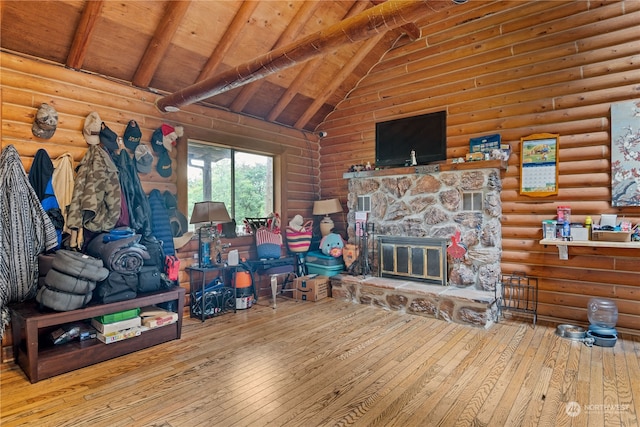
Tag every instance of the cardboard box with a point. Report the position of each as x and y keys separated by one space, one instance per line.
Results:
x=611 y=236
x=107 y=328
x=579 y=234
x=119 y=335
x=311 y=288
x=154 y=317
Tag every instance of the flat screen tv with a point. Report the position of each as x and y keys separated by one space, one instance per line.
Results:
x=425 y=134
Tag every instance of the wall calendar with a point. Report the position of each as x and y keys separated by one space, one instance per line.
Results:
x=539 y=165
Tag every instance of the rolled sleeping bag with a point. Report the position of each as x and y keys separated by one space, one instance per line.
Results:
x=73 y=285
x=61 y=301
x=80 y=265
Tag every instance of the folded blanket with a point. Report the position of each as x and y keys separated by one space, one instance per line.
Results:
x=123 y=255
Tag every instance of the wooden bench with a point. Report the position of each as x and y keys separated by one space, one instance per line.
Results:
x=40 y=359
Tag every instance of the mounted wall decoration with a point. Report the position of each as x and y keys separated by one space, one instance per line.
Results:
x=625 y=153
x=539 y=165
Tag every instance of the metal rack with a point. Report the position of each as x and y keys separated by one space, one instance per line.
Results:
x=518 y=293
x=206 y=303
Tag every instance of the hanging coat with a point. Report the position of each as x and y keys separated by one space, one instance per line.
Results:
x=160 y=223
x=41 y=179
x=139 y=213
x=63 y=179
x=25 y=232
x=95 y=204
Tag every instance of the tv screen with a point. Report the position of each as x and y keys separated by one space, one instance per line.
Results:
x=425 y=134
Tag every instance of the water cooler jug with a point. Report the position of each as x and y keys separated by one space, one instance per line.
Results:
x=603 y=315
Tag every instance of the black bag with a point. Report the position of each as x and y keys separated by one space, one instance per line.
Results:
x=156 y=253
x=149 y=279
x=116 y=287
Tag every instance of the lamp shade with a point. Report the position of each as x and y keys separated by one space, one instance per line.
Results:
x=213 y=212
x=325 y=207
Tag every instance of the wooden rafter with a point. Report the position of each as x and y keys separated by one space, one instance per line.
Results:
x=306 y=73
x=159 y=44
x=288 y=36
x=372 y=22
x=234 y=29
x=337 y=80
x=83 y=34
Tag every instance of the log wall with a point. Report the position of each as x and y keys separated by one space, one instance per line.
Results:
x=516 y=68
x=27 y=83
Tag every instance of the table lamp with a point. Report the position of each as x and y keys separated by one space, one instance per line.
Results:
x=213 y=213
x=326 y=207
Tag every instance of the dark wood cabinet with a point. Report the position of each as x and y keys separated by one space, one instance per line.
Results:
x=40 y=359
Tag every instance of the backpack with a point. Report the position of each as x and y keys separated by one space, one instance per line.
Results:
x=155 y=250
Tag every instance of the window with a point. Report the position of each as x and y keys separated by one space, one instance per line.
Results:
x=472 y=201
x=364 y=204
x=242 y=180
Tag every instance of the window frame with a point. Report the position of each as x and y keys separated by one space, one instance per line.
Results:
x=276 y=173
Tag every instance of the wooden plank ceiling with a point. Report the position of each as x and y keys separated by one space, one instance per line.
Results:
x=169 y=46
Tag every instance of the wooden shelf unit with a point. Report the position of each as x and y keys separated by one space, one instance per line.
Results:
x=40 y=359
x=563 y=245
x=591 y=243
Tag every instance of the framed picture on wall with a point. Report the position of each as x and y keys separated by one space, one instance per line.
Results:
x=625 y=153
x=539 y=165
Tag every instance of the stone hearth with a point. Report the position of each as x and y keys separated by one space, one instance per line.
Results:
x=448 y=303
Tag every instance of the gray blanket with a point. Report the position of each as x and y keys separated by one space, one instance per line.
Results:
x=123 y=256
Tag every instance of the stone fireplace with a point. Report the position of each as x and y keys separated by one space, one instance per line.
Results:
x=435 y=204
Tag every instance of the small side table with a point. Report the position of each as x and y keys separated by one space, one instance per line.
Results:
x=214 y=303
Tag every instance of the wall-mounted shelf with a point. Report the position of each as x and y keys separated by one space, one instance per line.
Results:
x=563 y=245
x=424 y=169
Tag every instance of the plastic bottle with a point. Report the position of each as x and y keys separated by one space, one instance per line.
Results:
x=587 y=224
x=602 y=312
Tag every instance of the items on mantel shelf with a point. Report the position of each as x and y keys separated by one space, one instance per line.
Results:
x=430 y=168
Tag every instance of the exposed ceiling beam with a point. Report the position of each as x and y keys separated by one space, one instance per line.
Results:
x=411 y=29
x=159 y=44
x=232 y=32
x=379 y=19
x=337 y=80
x=288 y=36
x=83 y=34
x=309 y=68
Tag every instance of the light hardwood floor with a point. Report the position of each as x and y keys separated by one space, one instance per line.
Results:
x=335 y=363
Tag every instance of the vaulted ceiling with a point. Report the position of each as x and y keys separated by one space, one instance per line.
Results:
x=288 y=62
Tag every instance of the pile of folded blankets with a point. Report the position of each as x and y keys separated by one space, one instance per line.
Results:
x=114 y=266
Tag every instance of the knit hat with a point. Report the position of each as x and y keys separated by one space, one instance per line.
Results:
x=92 y=127
x=108 y=137
x=144 y=158
x=132 y=135
x=164 y=165
x=46 y=122
x=156 y=141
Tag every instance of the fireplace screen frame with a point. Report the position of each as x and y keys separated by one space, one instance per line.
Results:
x=422 y=259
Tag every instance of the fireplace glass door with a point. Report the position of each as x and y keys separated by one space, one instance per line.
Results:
x=422 y=259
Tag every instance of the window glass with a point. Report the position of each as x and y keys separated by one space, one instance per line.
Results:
x=242 y=180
